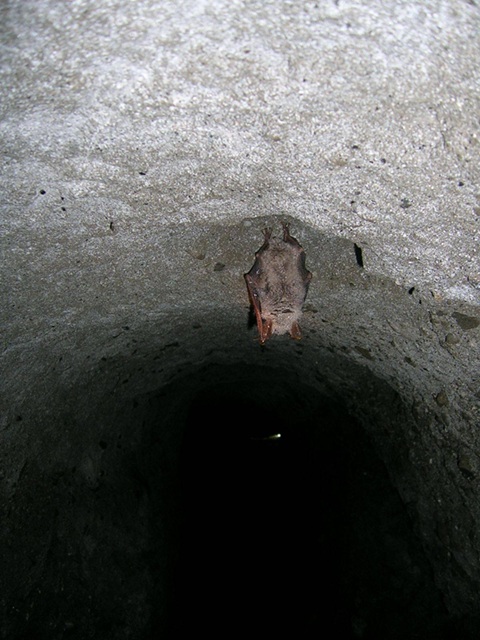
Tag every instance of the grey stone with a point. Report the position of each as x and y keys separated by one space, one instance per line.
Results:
x=145 y=146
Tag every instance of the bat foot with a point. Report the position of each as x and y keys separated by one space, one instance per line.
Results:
x=288 y=238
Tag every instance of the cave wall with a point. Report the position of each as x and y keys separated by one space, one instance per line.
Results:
x=145 y=146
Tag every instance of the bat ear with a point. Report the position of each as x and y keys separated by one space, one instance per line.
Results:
x=295 y=331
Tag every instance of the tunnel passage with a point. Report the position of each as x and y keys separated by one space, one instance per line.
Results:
x=174 y=508
x=146 y=145
x=142 y=493
x=290 y=522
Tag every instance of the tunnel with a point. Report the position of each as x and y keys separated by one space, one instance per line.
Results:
x=163 y=472
x=212 y=482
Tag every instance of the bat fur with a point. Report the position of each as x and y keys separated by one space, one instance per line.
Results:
x=278 y=284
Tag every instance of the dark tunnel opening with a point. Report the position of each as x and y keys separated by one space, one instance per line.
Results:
x=183 y=510
x=290 y=523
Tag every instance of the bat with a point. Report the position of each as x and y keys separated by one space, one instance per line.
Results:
x=278 y=284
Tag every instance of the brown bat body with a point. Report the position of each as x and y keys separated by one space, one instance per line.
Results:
x=277 y=285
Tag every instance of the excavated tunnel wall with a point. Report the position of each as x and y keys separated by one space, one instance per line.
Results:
x=145 y=148
x=98 y=460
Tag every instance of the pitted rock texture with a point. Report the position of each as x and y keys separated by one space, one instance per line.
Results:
x=144 y=148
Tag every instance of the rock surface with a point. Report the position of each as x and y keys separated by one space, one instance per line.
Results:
x=145 y=145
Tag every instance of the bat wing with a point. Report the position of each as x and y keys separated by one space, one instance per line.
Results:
x=264 y=326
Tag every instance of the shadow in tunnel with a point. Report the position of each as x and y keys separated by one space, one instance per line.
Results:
x=250 y=555
x=292 y=535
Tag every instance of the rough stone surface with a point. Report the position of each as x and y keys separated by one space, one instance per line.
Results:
x=144 y=147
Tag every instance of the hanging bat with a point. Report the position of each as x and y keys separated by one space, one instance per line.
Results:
x=277 y=285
